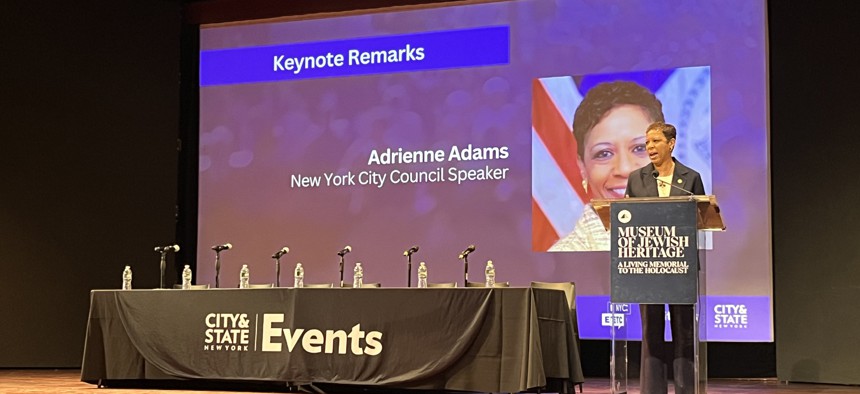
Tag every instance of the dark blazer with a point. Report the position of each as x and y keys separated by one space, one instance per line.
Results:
x=641 y=183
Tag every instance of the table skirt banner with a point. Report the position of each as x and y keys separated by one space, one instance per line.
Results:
x=456 y=339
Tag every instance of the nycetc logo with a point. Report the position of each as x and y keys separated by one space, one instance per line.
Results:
x=616 y=315
x=731 y=316
x=227 y=332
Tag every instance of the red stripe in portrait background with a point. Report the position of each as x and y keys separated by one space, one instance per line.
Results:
x=554 y=132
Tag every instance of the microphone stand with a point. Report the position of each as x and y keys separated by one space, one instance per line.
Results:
x=466 y=270
x=278 y=271
x=341 y=270
x=409 y=270
x=163 y=267
x=217 y=268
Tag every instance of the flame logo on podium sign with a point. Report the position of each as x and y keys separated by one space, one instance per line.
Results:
x=624 y=216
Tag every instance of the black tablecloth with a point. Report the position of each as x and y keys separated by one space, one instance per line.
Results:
x=476 y=339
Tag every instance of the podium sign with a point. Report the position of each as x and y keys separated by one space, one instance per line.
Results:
x=654 y=252
x=655 y=260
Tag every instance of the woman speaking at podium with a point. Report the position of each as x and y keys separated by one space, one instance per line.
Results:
x=665 y=176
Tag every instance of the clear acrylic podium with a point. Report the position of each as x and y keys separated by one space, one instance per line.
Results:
x=656 y=260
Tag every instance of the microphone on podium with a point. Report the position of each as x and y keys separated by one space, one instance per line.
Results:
x=656 y=175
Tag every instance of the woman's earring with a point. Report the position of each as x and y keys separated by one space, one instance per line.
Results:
x=585 y=185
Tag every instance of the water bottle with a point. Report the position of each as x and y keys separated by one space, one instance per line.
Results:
x=244 y=277
x=300 y=276
x=422 y=275
x=358 y=276
x=186 y=278
x=126 y=278
x=490 y=274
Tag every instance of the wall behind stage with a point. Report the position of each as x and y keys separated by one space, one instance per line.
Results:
x=813 y=97
x=815 y=141
x=87 y=151
x=89 y=164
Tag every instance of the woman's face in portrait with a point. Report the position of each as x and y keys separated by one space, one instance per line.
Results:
x=613 y=149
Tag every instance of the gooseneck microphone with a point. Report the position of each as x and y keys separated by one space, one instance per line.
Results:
x=656 y=175
x=466 y=252
x=344 y=251
x=168 y=248
x=411 y=251
x=280 y=253
x=222 y=247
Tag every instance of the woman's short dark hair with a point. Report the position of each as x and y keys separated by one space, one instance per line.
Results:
x=604 y=97
x=668 y=130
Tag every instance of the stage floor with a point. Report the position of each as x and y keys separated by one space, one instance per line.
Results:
x=68 y=381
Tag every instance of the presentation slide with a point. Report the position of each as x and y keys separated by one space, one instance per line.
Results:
x=490 y=125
